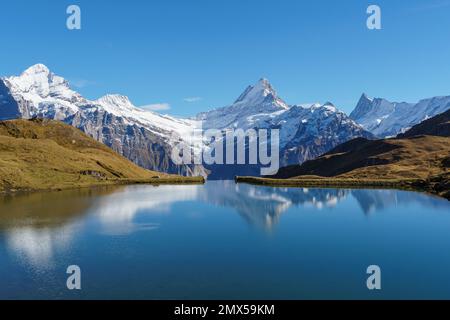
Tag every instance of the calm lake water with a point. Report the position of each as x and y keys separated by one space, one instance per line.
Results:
x=224 y=241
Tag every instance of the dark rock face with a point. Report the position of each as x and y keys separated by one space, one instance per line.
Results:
x=436 y=126
x=9 y=108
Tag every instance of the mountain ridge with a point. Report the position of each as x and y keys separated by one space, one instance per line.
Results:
x=147 y=138
x=388 y=119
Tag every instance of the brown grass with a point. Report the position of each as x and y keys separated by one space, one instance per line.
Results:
x=49 y=155
x=418 y=163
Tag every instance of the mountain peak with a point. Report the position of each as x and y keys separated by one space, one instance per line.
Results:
x=264 y=81
x=36 y=69
x=260 y=93
x=363 y=107
x=115 y=101
x=40 y=81
x=365 y=97
x=114 y=96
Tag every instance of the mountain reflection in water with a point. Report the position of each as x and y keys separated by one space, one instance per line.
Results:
x=116 y=207
x=188 y=234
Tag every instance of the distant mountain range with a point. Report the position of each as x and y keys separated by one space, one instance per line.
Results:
x=147 y=138
x=388 y=119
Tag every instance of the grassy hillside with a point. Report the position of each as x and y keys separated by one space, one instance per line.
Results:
x=416 y=158
x=44 y=154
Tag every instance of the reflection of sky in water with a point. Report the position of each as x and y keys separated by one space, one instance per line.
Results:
x=116 y=212
x=40 y=230
x=259 y=206
x=36 y=247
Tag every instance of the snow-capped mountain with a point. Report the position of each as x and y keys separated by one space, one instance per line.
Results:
x=306 y=131
x=256 y=102
x=386 y=119
x=142 y=136
x=147 y=138
x=37 y=90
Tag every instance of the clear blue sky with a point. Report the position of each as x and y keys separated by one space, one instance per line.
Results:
x=163 y=51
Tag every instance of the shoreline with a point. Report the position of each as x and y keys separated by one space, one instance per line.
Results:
x=175 y=180
x=417 y=185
